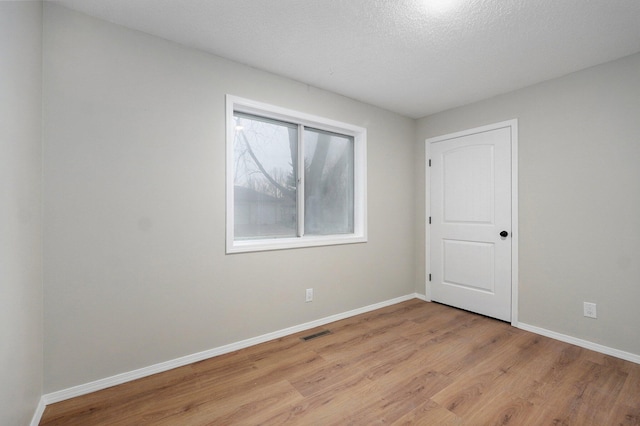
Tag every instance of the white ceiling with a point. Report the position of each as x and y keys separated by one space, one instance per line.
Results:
x=415 y=57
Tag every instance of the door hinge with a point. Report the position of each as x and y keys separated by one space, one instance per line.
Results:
x=429 y=220
x=429 y=162
x=429 y=277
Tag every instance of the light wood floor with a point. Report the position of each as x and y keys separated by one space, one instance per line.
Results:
x=410 y=363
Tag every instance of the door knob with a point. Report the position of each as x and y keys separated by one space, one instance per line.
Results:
x=504 y=234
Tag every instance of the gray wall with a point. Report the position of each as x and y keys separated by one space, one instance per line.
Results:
x=579 y=163
x=134 y=212
x=20 y=207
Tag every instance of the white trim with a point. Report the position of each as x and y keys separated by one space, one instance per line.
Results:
x=275 y=112
x=421 y=297
x=118 y=379
x=37 y=416
x=243 y=246
x=230 y=133
x=515 y=234
x=628 y=356
x=513 y=125
x=467 y=132
x=427 y=228
x=359 y=134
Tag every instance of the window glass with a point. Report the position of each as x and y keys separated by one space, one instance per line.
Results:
x=265 y=159
x=328 y=184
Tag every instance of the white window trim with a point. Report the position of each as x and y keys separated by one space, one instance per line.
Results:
x=359 y=134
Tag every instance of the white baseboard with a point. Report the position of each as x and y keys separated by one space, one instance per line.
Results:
x=118 y=379
x=628 y=356
x=37 y=416
x=421 y=297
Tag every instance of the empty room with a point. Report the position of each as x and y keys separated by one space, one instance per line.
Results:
x=320 y=212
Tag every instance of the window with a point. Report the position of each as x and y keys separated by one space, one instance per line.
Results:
x=293 y=180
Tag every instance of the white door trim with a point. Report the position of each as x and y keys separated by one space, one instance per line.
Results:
x=513 y=125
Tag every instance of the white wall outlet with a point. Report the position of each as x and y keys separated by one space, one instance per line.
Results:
x=590 y=310
x=309 y=295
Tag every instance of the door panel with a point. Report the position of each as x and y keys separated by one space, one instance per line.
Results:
x=468 y=264
x=467 y=179
x=470 y=206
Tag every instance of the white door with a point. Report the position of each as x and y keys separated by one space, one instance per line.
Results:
x=471 y=220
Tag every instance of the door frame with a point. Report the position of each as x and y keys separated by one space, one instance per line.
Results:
x=513 y=125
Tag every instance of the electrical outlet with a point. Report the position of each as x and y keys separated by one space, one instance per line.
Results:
x=590 y=310
x=309 y=295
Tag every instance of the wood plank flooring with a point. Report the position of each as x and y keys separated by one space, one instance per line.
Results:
x=410 y=363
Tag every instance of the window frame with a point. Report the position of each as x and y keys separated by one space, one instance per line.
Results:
x=302 y=120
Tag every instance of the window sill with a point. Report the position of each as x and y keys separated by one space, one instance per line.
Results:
x=292 y=243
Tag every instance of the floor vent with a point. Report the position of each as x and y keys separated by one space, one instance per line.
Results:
x=316 y=335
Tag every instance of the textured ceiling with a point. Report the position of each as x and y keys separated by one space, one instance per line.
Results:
x=415 y=57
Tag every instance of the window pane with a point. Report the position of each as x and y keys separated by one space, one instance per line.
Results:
x=328 y=191
x=265 y=156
